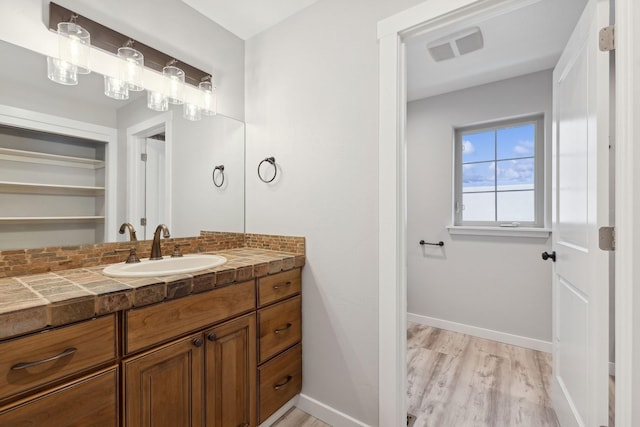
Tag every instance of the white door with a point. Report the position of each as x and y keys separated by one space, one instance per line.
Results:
x=151 y=186
x=580 y=207
x=155 y=184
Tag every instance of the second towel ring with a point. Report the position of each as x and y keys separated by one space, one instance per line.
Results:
x=272 y=162
x=219 y=168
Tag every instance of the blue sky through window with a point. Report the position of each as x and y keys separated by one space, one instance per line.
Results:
x=514 y=152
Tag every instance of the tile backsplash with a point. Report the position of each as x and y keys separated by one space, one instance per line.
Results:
x=33 y=261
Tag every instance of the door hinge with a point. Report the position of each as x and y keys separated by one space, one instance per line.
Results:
x=607 y=238
x=143 y=221
x=143 y=157
x=607 y=38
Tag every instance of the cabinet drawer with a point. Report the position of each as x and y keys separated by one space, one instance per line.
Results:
x=161 y=322
x=90 y=401
x=279 y=327
x=279 y=380
x=279 y=286
x=47 y=356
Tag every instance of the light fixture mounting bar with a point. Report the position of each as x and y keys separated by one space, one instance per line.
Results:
x=110 y=40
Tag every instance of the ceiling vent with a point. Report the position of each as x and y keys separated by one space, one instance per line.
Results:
x=456 y=44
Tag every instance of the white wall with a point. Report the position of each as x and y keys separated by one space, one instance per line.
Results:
x=312 y=102
x=497 y=283
x=169 y=26
x=197 y=146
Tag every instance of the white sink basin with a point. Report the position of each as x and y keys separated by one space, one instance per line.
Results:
x=165 y=267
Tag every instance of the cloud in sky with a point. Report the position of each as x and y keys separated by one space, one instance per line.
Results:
x=509 y=172
x=523 y=148
x=467 y=147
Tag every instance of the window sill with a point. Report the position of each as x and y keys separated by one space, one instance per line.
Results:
x=537 y=233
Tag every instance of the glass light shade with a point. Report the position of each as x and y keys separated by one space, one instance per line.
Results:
x=131 y=67
x=116 y=88
x=157 y=101
x=209 y=99
x=74 y=43
x=61 y=71
x=174 y=85
x=191 y=112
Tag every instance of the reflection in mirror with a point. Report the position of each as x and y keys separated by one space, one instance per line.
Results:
x=74 y=164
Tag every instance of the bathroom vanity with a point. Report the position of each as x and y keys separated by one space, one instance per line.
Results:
x=220 y=347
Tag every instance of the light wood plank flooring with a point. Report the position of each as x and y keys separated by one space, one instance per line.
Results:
x=297 y=418
x=456 y=380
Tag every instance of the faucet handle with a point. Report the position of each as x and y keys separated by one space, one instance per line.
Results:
x=176 y=250
x=133 y=256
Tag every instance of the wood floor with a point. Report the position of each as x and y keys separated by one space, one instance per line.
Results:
x=457 y=380
x=296 y=418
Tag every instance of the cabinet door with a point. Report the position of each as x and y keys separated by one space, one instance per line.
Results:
x=231 y=374
x=164 y=387
x=89 y=401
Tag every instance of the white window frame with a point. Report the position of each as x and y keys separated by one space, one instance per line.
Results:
x=539 y=171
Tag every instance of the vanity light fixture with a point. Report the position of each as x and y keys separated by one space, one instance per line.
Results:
x=132 y=66
x=174 y=83
x=73 y=53
x=61 y=71
x=209 y=98
x=74 y=44
x=191 y=112
x=157 y=101
x=127 y=74
x=116 y=88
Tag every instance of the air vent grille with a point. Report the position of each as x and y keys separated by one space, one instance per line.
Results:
x=456 y=44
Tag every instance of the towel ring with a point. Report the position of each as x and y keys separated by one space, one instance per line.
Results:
x=219 y=168
x=272 y=162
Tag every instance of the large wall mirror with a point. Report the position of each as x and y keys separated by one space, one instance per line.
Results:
x=75 y=164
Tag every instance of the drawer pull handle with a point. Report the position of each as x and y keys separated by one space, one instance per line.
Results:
x=280 y=330
x=197 y=342
x=212 y=337
x=285 y=285
x=282 y=384
x=26 y=365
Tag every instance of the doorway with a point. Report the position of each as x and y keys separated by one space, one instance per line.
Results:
x=393 y=238
x=149 y=175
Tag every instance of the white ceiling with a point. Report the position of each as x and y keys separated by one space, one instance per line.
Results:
x=246 y=18
x=519 y=42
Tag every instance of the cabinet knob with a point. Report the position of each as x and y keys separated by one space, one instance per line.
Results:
x=197 y=342
x=212 y=337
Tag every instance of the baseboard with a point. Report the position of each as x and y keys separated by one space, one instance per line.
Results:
x=280 y=412
x=326 y=413
x=488 y=334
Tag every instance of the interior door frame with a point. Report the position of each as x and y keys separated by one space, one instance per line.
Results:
x=134 y=134
x=392 y=209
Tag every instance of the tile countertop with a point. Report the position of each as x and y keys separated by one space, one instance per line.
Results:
x=33 y=302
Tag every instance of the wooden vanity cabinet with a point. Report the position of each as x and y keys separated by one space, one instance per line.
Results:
x=164 y=387
x=279 y=341
x=230 y=372
x=228 y=357
x=42 y=383
x=209 y=375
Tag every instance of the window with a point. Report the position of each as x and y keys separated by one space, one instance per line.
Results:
x=499 y=174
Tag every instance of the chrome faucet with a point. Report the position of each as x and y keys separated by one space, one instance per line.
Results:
x=132 y=231
x=156 y=252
